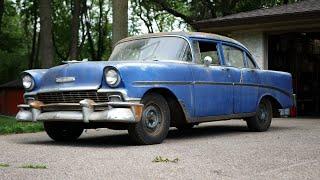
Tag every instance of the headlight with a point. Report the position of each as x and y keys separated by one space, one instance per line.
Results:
x=28 y=82
x=112 y=77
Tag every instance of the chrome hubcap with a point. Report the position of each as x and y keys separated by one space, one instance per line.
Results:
x=263 y=113
x=152 y=117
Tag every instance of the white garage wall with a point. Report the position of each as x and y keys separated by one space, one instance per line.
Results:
x=256 y=42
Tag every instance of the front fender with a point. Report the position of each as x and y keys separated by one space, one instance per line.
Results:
x=138 y=78
x=37 y=75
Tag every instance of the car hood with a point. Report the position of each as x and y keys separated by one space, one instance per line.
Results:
x=75 y=76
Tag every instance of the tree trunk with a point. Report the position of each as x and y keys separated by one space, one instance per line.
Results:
x=34 y=37
x=120 y=20
x=1 y=12
x=46 y=45
x=91 y=43
x=101 y=32
x=75 y=24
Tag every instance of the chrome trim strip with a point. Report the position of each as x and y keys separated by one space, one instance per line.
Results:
x=162 y=82
x=210 y=83
x=65 y=79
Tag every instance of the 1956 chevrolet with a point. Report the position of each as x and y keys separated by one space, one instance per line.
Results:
x=153 y=82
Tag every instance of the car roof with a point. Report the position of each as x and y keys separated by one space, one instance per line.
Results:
x=186 y=35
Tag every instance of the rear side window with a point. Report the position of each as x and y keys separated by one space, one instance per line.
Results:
x=207 y=48
x=233 y=56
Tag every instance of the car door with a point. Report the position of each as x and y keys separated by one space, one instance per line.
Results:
x=234 y=61
x=249 y=87
x=212 y=90
x=245 y=78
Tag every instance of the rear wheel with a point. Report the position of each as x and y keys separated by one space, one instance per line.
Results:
x=262 y=120
x=62 y=131
x=155 y=121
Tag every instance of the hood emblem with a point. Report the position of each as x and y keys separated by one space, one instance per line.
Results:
x=65 y=79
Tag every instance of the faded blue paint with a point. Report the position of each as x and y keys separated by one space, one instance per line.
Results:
x=204 y=91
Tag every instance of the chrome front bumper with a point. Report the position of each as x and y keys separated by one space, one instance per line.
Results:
x=112 y=112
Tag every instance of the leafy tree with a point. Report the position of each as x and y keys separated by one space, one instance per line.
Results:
x=31 y=37
x=194 y=10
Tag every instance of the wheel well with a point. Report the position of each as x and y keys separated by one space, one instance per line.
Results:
x=275 y=105
x=177 y=115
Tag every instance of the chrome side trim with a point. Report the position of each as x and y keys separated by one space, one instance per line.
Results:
x=162 y=82
x=210 y=83
x=65 y=79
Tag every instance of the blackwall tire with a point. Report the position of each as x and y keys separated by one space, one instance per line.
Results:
x=155 y=122
x=62 y=131
x=262 y=120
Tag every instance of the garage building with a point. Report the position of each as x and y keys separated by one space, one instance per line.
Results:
x=284 y=38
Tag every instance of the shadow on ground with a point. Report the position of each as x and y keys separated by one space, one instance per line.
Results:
x=122 y=140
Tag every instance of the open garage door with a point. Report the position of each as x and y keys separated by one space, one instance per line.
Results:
x=299 y=54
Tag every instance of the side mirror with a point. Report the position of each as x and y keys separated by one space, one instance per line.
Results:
x=207 y=61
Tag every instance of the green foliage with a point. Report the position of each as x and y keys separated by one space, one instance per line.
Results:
x=13 y=50
x=19 y=32
x=158 y=159
x=4 y=165
x=9 y=125
x=34 y=166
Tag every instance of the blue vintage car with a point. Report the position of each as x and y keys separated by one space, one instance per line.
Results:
x=153 y=82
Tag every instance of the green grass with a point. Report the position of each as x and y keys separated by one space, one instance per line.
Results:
x=3 y=165
x=34 y=166
x=9 y=125
x=160 y=159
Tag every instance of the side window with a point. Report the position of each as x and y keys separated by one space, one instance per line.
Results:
x=233 y=56
x=251 y=63
x=187 y=54
x=207 y=49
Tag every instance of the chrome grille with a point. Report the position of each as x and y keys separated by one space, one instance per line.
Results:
x=71 y=96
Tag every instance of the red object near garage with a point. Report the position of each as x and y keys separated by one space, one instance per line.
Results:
x=11 y=94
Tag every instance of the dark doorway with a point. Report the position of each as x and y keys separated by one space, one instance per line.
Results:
x=299 y=54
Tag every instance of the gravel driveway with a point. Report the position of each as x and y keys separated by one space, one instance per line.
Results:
x=218 y=150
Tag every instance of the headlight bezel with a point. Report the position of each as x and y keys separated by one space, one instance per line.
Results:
x=114 y=73
x=27 y=78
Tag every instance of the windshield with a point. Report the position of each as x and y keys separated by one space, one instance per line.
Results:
x=158 y=48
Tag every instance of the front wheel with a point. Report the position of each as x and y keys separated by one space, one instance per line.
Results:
x=155 y=121
x=62 y=131
x=262 y=120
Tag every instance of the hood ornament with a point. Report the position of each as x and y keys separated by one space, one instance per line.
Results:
x=65 y=79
